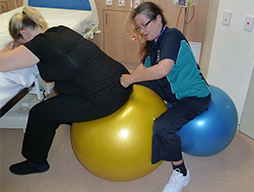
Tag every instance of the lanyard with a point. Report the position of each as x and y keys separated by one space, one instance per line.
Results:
x=160 y=33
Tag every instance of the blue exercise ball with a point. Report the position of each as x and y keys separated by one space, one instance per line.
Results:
x=213 y=130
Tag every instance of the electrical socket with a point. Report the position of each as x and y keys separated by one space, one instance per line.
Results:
x=108 y=2
x=175 y=2
x=226 y=17
x=135 y=3
x=121 y=3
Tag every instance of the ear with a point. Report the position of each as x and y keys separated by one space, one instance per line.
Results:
x=158 y=18
x=25 y=34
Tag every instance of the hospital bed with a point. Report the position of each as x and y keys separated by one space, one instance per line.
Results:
x=79 y=15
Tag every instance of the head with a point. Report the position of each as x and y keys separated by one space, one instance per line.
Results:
x=149 y=19
x=25 y=26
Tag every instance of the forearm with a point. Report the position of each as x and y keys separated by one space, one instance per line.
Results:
x=10 y=46
x=5 y=60
x=17 y=58
x=139 y=68
x=147 y=74
x=6 y=48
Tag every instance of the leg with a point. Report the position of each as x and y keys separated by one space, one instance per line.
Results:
x=166 y=142
x=46 y=117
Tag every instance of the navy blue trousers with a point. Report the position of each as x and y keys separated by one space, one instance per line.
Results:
x=166 y=144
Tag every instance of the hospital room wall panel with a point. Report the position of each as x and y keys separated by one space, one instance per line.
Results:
x=3 y=7
x=196 y=26
x=121 y=43
x=117 y=32
x=118 y=43
x=7 y=5
x=195 y=29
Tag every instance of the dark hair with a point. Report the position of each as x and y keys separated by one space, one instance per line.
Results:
x=151 y=10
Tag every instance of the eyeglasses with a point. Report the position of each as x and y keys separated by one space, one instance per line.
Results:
x=144 y=25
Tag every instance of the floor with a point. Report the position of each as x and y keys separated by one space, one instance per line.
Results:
x=228 y=171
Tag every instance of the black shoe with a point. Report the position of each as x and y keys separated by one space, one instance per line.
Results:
x=26 y=167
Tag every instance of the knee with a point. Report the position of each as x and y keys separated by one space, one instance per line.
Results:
x=33 y=111
x=163 y=127
x=38 y=112
x=160 y=127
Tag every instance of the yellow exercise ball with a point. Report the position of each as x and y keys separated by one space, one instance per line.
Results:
x=118 y=147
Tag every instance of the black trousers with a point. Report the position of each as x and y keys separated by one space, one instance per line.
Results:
x=45 y=118
x=166 y=144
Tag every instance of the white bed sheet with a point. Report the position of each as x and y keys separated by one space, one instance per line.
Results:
x=12 y=82
x=18 y=79
x=75 y=19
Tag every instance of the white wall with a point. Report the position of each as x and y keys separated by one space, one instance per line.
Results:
x=232 y=56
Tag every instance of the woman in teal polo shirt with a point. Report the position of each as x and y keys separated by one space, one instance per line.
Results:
x=170 y=69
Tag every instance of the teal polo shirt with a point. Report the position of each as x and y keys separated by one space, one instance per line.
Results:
x=185 y=78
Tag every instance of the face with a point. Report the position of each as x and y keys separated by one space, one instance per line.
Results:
x=149 y=28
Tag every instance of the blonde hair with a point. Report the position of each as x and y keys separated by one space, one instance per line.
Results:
x=29 y=18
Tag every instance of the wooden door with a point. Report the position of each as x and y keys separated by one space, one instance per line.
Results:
x=118 y=37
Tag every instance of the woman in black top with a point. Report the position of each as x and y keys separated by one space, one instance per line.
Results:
x=86 y=79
